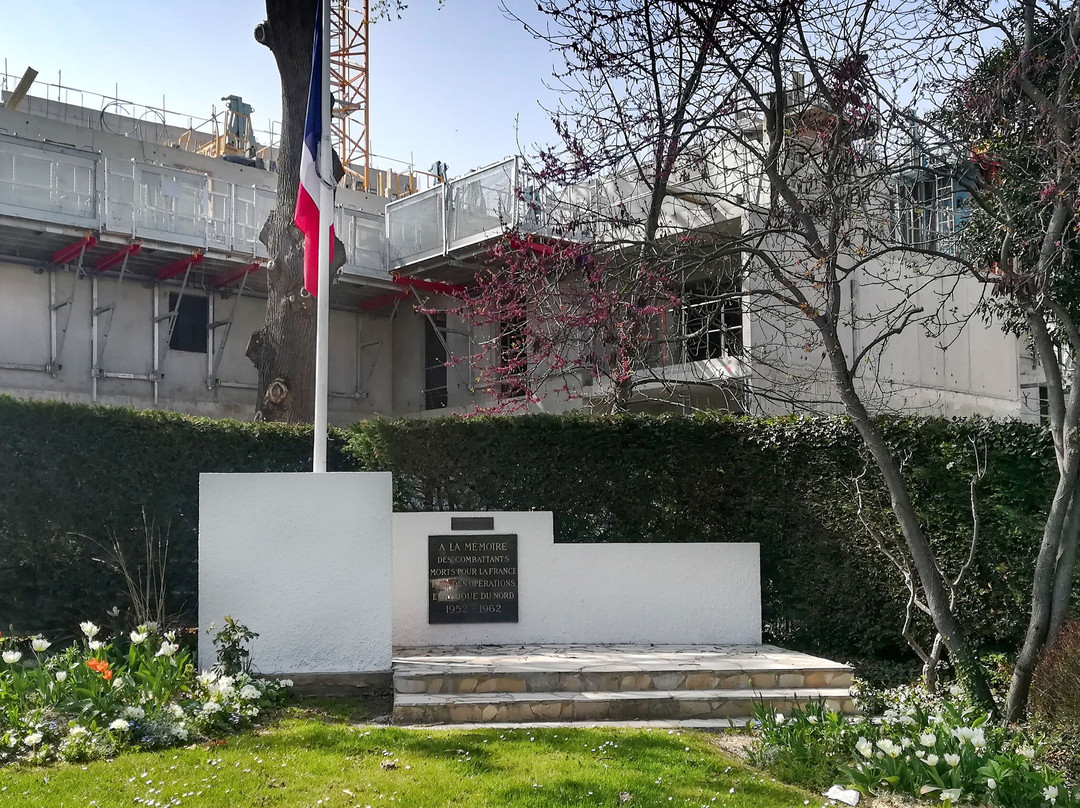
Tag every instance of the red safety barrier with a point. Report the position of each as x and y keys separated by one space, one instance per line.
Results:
x=438 y=287
x=107 y=262
x=225 y=280
x=178 y=267
x=65 y=255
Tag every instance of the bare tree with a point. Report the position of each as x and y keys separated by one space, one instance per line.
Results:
x=702 y=136
x=1015 y=115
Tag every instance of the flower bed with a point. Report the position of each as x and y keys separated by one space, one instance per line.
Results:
x=100 y=696
x=935 y=748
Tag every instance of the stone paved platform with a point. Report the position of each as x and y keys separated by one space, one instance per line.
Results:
x=553 y=683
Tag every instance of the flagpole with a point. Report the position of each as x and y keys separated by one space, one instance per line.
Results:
x=326 y=207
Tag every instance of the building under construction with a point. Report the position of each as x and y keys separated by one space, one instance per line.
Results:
x=131 y=271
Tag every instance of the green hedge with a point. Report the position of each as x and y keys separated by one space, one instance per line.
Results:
x=71 y=475
x=786 y=483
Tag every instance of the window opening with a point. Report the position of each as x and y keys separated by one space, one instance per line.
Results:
x=436 y=394
x=712 y=323
x=191 y=321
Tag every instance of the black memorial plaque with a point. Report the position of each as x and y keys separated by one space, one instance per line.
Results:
x=472 y=578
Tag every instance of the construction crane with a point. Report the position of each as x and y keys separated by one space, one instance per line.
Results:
x=349 y=85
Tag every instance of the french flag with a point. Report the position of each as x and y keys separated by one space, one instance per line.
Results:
x=308 y=215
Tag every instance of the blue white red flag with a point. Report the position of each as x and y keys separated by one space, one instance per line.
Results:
x=308 y=215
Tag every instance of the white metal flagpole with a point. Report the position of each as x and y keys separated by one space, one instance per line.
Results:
x=326 y=218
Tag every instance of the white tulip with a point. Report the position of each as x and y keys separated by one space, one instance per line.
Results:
x=167 y=649
x=978 y=738
x=39 y=644
x=11 y=657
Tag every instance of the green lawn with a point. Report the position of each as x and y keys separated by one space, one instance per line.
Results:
x=312 y=759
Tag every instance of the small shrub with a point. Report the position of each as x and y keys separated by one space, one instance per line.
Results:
x=931 y=747
x=806 y=748
x=1055 y=690
x=885 y=674
x=1055 y=697
x=233 y=656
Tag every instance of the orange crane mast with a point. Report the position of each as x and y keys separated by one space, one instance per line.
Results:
x=350 y=87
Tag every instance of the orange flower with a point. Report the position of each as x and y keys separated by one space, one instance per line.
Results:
x=100 y=666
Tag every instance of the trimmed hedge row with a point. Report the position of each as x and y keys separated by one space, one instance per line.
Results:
x=785 y=483
x=72 y=476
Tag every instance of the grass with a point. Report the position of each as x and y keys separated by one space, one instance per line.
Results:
x=319 y=758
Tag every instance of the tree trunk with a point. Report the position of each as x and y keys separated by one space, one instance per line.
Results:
x=283 y=350
x=1051 y=584
x=933 y=585
x=1038 y=630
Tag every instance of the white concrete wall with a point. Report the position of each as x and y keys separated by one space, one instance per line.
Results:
x=305 y=561
x=972 y=367
x=588 y=593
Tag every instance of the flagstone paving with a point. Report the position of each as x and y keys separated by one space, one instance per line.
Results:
x=552 y=683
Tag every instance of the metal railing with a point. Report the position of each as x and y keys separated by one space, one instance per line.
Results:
x=50 y=183
x=496 y=199
x=455 y=214
x=56 y=184
x=111 y=113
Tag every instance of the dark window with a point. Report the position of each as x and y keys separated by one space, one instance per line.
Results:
x=435 y=393
x=1044 y=403
x=713 y=324
x=190 y=323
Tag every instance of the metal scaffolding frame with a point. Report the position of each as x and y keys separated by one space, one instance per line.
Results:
x=99 y=333
x=465 y=381
x=217 y=347
x=58 y=327
x=157 y=374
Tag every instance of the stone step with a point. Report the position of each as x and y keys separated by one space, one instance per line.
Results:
x=706 y=724
x=600 y=680
x=460 y=708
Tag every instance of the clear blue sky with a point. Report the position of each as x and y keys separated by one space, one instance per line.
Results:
x=446 y=83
